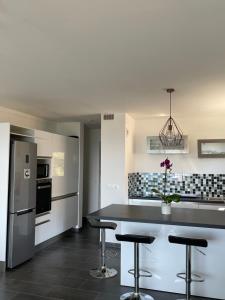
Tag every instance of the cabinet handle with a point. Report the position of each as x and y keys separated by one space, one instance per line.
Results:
x=43 y=222
x=43 y=187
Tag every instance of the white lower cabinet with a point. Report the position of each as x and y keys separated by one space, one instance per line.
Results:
x=220 y=207
x=182 y=204
x=158 y=203
x=62 y=217
x=43 y=229
x=144 y=202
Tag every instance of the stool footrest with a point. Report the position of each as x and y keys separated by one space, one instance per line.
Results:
x=133 y=296
x=102 y=273
x=194 y=277
x=142 y=273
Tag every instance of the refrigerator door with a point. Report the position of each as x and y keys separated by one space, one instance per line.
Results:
x=23 y=171
x=21 y=237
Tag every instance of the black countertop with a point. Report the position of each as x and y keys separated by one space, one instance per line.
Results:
x=149 y=214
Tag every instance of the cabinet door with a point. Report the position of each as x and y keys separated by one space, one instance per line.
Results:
x=63 y=215
x=183 y=204
x=44 y=143
x=64 y=165
x=43 y=229
x=145 y=202
x=71 y=167
x=212 y=207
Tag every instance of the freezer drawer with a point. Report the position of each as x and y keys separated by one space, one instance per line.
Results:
x=21 y=236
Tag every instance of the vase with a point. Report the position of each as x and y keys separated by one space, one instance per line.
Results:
x=166 y=208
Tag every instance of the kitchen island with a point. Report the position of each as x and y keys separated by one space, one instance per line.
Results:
x=165 y=260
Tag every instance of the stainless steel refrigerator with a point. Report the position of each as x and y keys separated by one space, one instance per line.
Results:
x=22 y=202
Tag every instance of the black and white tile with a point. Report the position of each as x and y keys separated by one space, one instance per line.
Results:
x=204 y=185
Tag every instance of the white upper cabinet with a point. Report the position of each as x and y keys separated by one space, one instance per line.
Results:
x=64 y=153
x=44 y=143
x=64 y=165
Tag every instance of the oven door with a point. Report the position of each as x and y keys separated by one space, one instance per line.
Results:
x=44 y=196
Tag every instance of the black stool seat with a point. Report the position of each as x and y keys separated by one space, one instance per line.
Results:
x=136 y=240
x=133 y=238
x=188 y=241
x=102 y=272
x=101 y=225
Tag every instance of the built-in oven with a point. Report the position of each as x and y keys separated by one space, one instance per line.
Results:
x=43 y=196
x=42 y=170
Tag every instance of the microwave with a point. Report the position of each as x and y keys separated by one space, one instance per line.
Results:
x=42 y=170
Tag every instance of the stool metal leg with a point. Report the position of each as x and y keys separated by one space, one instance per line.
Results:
x=103 y=249
x=136 y=295
x=188 y=272
x=136 y=268
x=187 y=275
x=103 y=271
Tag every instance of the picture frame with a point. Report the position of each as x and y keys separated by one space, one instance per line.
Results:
x=211 y=148
x=154 y=146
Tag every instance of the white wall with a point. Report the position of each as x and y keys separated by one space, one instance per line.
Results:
x=4 y=175
x=92 y=144
x=113 y=179
x=25 y=120
x=116 y=161
x=129 y=147
x=196 y=128
x=76 y=129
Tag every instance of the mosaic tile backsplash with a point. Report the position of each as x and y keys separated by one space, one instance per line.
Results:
x=202 y=185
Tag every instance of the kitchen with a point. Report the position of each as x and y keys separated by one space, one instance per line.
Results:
x=198 y=180
x=112 y=213
x=44 y=184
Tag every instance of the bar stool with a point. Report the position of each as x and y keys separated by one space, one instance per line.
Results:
x=136 y=239
x=188 y=276
x=102 y=272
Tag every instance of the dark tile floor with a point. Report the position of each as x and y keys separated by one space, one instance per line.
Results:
x=60 y=271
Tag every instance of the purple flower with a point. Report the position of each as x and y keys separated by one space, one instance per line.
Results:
x=168 y=167
x=162 y=164
x=167 y=162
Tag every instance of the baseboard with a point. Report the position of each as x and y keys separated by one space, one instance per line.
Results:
x=2 y=266
x=52 y=240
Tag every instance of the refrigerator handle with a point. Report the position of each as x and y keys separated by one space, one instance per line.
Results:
x=24 y=211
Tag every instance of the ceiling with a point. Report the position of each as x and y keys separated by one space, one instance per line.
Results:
x=60 y=59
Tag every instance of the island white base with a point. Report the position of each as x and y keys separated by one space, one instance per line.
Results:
x=165 y=260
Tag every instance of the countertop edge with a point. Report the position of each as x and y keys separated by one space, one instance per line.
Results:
x=180 y=216
x=157 y=222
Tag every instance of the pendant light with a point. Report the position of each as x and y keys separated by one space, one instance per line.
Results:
x=170 y=135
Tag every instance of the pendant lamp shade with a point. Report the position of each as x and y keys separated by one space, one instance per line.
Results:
x=170 y=135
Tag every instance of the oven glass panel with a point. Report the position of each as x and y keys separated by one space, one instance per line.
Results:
x=44 y=192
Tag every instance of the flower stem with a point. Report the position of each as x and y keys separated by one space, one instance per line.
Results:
x=165 y=182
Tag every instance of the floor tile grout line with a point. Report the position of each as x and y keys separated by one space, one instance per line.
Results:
x=31 y=294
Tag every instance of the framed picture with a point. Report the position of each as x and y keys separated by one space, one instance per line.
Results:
x=154 y=146
x=211 y=148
